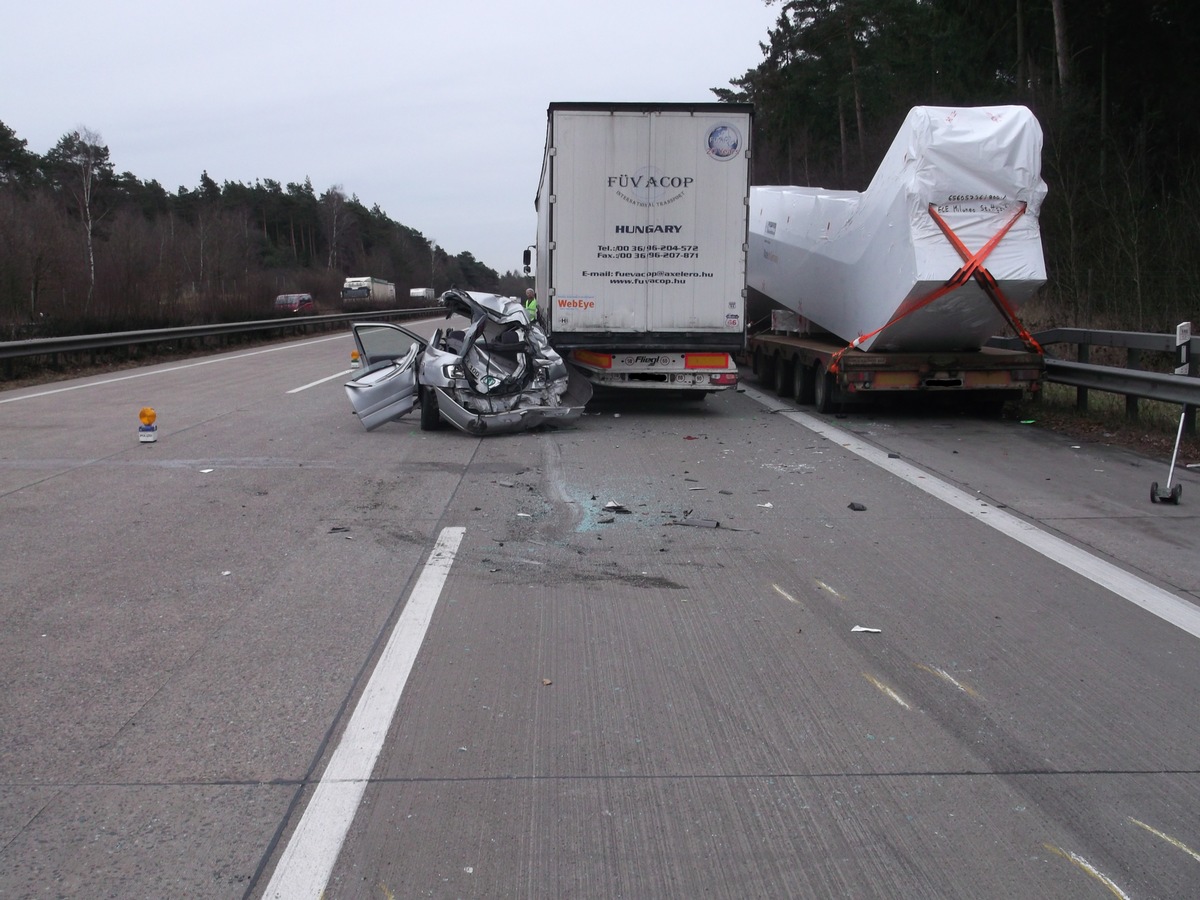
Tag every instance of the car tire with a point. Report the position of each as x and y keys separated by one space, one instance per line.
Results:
x=431 y=419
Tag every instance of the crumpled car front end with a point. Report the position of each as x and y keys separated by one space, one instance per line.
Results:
x=500 y=373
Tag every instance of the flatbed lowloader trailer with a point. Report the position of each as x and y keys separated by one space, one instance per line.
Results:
x=802 y=367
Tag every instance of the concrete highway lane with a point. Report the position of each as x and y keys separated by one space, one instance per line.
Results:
x=732 y=685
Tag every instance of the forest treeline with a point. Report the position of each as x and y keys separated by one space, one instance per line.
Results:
x=83 y=248
x=1111 y=81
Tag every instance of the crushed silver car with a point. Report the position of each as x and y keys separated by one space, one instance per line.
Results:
x=497 y=375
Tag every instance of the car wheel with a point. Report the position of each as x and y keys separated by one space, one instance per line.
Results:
x=431 y=419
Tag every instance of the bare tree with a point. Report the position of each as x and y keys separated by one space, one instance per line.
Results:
x=80 y=166
x=335 y=219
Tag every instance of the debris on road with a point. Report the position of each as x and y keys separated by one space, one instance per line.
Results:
x=862 y=628
x=856 y=506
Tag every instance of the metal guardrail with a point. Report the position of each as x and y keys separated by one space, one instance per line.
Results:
x=1130 y=381
x=11 y=350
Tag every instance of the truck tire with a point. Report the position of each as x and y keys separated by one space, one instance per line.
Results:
x=783 y=377
x=824 y=389
x=766 y=368
x=802 y=382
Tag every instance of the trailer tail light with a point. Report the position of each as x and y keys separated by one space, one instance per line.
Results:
x=592 y=358
x=706 y=360
x=723 y=378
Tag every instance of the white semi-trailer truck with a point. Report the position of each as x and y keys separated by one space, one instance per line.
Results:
x=641 y=242
x=365 y=291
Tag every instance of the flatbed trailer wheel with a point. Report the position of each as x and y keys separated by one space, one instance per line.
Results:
x=783 y=377
x=824 y=389
x=802 y=382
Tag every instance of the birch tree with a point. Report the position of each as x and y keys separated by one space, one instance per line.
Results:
x=79 y=167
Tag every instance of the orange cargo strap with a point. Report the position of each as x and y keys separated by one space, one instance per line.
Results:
x=972 y=268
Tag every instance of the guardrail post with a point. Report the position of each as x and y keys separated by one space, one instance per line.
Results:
x=1133 y=362
x=1083 y=354
x=1186 y=357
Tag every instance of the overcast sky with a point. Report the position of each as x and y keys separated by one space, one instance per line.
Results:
x=435 y=110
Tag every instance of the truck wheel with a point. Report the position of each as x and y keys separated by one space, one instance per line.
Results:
x=766 y=369
x=824 y=390
x=783 y=377
x=431 y=419
x=802 y=382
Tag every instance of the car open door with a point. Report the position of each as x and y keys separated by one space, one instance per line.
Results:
x=387 y=389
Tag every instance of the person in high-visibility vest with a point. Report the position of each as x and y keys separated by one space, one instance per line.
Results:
x=531 y=304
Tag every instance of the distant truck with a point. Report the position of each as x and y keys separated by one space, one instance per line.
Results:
x=421 y=295
x=366 y=291
x=897 y=289
x=641 y=242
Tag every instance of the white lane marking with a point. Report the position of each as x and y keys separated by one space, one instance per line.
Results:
x=144 y=373
x=1167 y=606
x=785 y=595
x=305 y=387
x=1081 y=863
x=948 y=678
x=307 y=862
x=1178 y=844
x=887 y=691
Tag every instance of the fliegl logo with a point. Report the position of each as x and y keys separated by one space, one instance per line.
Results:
x=650 y=186
x=724 y=141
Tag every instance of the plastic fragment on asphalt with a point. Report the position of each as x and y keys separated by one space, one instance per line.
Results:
x=767 y=505
x=205 y=471
x=867 y=630
x=857 y=507
x=524 y=516
x=546 y=682
x=700 y=523
x=226 y=573
x=614 y=506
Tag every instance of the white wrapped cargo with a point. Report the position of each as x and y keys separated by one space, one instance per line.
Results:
x=853 y=262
